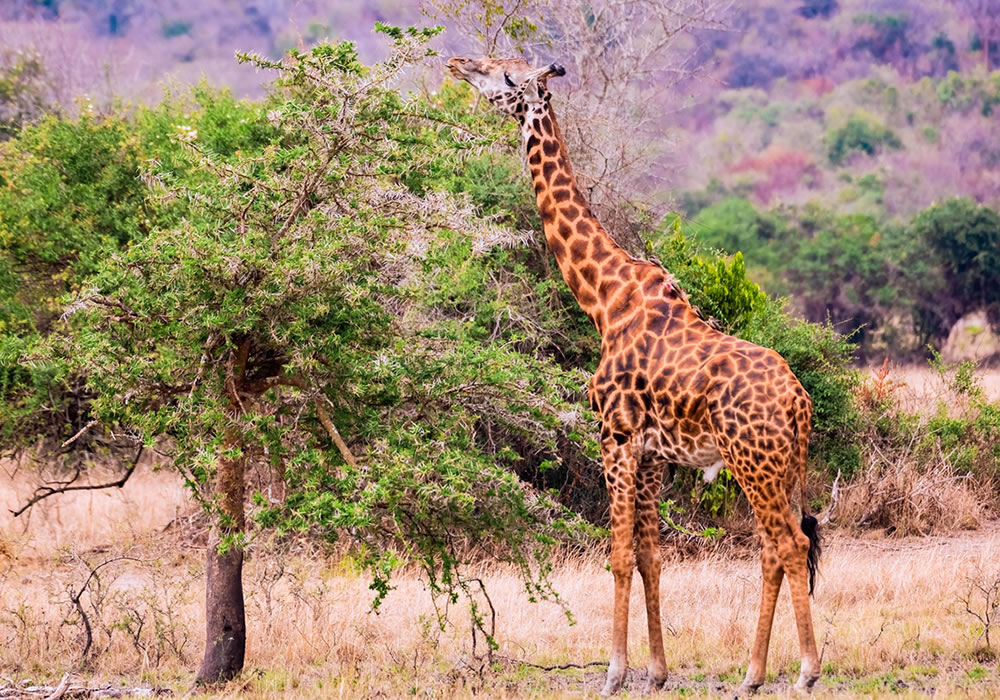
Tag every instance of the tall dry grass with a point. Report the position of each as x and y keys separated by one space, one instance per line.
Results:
x=921 y=387
x=83 y=520
x=927 y=456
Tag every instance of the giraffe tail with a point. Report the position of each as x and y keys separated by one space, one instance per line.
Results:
x=810 y=526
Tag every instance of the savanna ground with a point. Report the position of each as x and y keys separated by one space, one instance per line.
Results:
x=892 y=615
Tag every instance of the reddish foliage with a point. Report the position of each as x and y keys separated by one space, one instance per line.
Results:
x=817 y=85
x=780 y=170
x=877 y=387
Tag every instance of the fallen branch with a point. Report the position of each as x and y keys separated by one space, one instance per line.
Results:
x=560 y=667
x=65 y=689
x=43 y=492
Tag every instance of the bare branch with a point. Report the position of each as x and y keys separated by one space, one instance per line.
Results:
x=80 y=432
x=43 y=492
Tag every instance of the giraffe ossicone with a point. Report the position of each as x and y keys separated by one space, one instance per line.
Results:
x=670 y=389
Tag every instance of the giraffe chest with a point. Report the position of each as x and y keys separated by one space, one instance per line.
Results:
x=693 y=448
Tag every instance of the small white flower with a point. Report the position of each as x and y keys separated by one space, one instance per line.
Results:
x=186 y=133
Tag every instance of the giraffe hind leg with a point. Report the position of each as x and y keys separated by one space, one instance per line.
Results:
x=772 y=574
x=792 y=547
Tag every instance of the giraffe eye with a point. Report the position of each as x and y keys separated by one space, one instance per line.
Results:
x=506 y=79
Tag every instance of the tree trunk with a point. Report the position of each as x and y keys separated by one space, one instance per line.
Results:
x=225 y=622
x=225 y=618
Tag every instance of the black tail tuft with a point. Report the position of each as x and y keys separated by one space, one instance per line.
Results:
x=811 y=529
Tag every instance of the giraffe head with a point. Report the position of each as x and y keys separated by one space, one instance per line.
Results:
x=510 y=84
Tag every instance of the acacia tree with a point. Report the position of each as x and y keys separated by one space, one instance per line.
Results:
x=276 y=326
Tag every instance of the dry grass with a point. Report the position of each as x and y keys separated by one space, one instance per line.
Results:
x=922 y=387
x=917 y=475
x=888 y=616
x=86 y=519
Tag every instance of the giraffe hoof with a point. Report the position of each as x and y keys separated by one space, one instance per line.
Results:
x=612 y=686
x=746 y=690
x=804 y=685
x=655 y=683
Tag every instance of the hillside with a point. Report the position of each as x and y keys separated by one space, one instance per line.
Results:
x=868 y=107
x=774 y=85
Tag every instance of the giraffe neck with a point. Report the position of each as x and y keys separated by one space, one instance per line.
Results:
x=584 y=251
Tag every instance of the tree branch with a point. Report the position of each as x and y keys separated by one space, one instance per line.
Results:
x=43 y=492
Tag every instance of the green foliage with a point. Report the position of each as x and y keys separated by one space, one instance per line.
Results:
x=862 y=134
x=964 y=238
x=890 y=286
x=734 y=224
x=963 y=93
x=961 y=432
x=71 y=196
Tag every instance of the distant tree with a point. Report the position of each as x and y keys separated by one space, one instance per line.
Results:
x=810 y=9
x=964 y=239
x=985 y=17
x=888 y=38
x=860 y=134
x=753 y=70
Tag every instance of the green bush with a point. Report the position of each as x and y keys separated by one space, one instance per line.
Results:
x=734 y=224
x=948 y=259
x=859 y=134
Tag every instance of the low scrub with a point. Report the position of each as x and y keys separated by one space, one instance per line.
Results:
x=923 y=472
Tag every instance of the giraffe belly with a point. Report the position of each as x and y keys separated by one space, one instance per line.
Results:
x=699 y=452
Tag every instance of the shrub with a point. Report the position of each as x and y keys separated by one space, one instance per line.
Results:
x=859 y=134
x=921 y=472
x=734 y=224
x=964 y=238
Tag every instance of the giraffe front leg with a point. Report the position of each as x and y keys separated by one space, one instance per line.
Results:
x=619 y=473
x=647 y=531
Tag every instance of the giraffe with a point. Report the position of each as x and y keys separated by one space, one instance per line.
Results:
x=670 y=390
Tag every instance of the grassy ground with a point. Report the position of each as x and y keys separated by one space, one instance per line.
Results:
x=892 y=616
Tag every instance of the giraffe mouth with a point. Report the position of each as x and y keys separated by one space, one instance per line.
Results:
x=455 y=68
